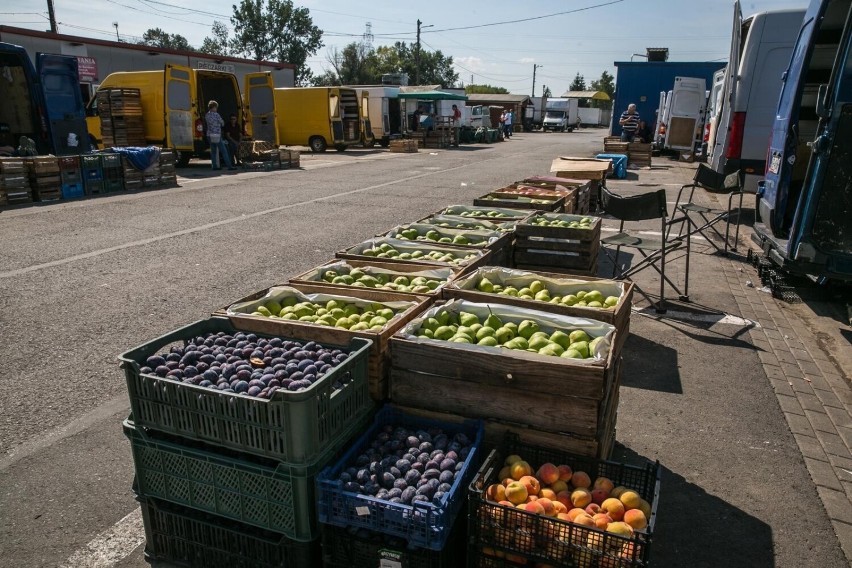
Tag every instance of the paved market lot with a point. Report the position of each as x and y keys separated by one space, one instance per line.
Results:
x=702 y=393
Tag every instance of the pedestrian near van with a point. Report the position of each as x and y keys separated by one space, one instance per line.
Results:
x=215 y=123
x=510 y=116
x=457 y=117
x=629 y=122
x=233 y=135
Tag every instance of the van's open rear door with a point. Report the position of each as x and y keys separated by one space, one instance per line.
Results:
x=178 y=107
x=60 y=85
x=260 y=106
x=685 y=112
x=729 y=89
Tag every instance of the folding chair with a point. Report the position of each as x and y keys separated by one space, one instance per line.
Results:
x=655 y=251
x=708 y=217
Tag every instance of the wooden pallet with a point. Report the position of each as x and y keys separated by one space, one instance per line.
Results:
x=404 y=146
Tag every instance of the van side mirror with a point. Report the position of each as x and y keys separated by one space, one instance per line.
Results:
x=821 y=110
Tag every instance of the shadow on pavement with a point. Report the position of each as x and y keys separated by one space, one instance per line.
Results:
x=650 y=366
x=699 y=530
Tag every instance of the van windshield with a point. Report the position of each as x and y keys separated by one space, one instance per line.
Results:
x=555 y=114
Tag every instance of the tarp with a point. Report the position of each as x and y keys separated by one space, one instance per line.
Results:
x=433 y=96
x=140 y=158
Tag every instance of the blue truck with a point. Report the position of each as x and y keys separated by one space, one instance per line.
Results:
x=42 y=102
x=804 y=204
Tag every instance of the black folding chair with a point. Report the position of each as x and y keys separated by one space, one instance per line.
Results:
x=698 y=219
x=655 y=251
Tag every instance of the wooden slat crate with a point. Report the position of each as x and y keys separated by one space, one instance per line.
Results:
x=379 y=361
x=557 y=248
x=404 y=146
x=543 y=203
x=313 y=276
x=639 y=155
x=482 y=257
x=614 y=145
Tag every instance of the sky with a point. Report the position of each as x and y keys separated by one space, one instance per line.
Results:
x=563 y=37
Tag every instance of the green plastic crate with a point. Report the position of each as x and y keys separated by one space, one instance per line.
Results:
x=273 y=496
x=181 y=537
x=292 y=427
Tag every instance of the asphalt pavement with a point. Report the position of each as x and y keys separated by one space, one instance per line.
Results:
x=81 y=282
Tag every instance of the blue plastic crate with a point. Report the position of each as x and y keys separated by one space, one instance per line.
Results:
x=619 y=164
x=422 y=524
x=72 y=190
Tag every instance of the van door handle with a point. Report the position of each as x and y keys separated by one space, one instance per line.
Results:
x=820 y=144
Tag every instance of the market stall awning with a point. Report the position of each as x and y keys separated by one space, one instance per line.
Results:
x=433 y=96
x=597 y=95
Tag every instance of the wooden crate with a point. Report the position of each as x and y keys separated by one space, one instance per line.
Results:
x=639 y=155
x=464 y=288
x=557 y=247
x=379 y=361
x=312 y=276
x=614 y=145
x=500 y=247
x=403 y=146
x=483 y=256
x=555 y=203
x=517 y=386
x=515 y=213
x=568 y=263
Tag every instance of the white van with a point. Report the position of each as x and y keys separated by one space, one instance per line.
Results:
x=761 y=47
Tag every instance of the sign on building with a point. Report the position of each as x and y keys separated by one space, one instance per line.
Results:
x=87 y=67
x=213 y=66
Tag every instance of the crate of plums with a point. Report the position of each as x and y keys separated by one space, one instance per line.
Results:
x=284 y=398
x=405 y=477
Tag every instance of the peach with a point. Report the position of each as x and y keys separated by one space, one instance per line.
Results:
x=559 y=486
x=617 y=491
x=584 y=519
x=599 y=495
x=636 y=519
x=565 y=517
x=512 y=459
x=531 y=498
x=572 y=514
x=499 y=515
x=565 y=473
x=645 y=507
x=531 y=483
x=581 y=480
x=556 y=551
x=620 y=528
x=516 y=492
x=532 y=507
x=516 y=559
x=614 y=508
x=507 y=481
x=548 y=473
x=602 y=520
x=564 y=497
x=519 y=469
x=581 y=497
x=495 y=492
x=593 y=509
x=595 y=540
x=547 y=493
x=560 y=508
x=604 y=483
x=547 y=504
x=631 y=499
x=505 y=472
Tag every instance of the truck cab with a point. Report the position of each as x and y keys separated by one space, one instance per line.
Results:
x=556 y=120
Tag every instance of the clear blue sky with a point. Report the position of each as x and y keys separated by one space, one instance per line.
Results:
x=586 y=41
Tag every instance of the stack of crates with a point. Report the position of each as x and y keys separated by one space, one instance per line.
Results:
x=120 y=111
x=93 y=174
x=151 y=175
x=14 y=182
x=361 y=530
x=112 y=172
x=168 y=175
x=45 y=180
x=225 y=478
x=133 y=178
x=71 y=175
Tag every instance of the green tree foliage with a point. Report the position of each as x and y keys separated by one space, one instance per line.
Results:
x=218 y=43
x=578 y=84
x=276 y=30
x=156 y=37
x=485 y=90
x=606 y=84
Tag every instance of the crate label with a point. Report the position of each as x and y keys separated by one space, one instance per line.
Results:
x=390 y=559
x=362 y=511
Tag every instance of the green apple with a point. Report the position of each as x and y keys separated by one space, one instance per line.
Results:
x=579 y=335
x=581 y=347
x=444 y=332
x=488 y=342
x=485 y=285
x=561 y=338
x=527 y=328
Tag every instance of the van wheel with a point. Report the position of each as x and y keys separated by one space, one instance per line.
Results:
x=183 y=158
x=317 y=144
x=384 y=143
x=370 y=143
x=340 y=147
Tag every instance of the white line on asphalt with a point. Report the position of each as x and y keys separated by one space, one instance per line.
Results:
x=112 y=545
x=723 y=318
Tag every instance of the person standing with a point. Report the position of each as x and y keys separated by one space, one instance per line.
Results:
x=233 y=135
x=643 y=133
x=214 y=136
x=457 y=117
x=629 y=122
x=508 y=125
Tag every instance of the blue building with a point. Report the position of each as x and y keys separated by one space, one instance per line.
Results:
x=640 y=82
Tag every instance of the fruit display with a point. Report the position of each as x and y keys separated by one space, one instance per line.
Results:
x=461 y=237
x=464 y=222
x=410 y=251
x=354 y=315
x=514 y=329
x=495 y=214
x=519 y=199
x=372 y=277
x=537 y=290
x=564 y=221
x=245 y=364
x=531 y=191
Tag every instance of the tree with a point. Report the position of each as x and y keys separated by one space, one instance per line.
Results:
x=485 y=89
x=606 y=84
x=275 y=29
x=355 y=65
x=219 y=43
x=579 y=83
x=155 y=37
x=435 y=68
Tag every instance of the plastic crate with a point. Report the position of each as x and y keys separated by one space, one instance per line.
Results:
x=72 y=190
x=293 y=427
x=271 y=495
x=424 y=525
x=95 y=187
x=348 y=548
x=113 y=185
x=111 y=161
x=499 y=531
x=92 y=167
x=180 y=536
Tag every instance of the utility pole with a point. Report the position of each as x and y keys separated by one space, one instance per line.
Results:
x=51 y=16
x=535 y=66
x=417 y=52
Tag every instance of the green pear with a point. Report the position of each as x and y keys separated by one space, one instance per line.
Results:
x=360 y=326
x=433 y=284
x=378 y=320
x=542 y=296
x=433 y=235
x=511 y=291
x=386 y=313
x=595 y=304
x=263 y=310
x=581 y=294
x=526 y=292
x=444 y=332
x=593 y=345
x=466 y=330
x=493 y=322
x=579 y=335
x=445 y=240
x=443 y=317
x=468 y=319
x=485 y=285
x=427 y=333
x=594 y=296
x=461 y=339
x=329 y=275
x=419 y=281
x=517 y=343
x=572 y=354
x=536 y=286
x=488 y=342
x=569 y=300
x=552 y=350
x=475 y=327
x=420 y=290
x=485 y=331
x=498 y=289
x=611 y=301
x=538 y=343
x=504 y=334
x=561 y=338
x=289 y=301
x=581 y=347
x=513 y=326
x=273 y=307
x=401 y=280
x=527 y=328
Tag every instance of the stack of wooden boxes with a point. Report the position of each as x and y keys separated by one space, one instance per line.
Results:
x=639 y=155
x=120 y=111
x=14 y=183
x=44 y=177
x=168 y=176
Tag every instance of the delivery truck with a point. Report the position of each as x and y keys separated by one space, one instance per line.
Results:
x=318 y=117
x=560 y=115
x=175 y=99
x=534 y=113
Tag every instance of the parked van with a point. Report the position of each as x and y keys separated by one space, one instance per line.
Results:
x=760 y=51
x=175 y=99
x=43 y=103
x=560 y=115
x=684 y=114
x=385 y=112
x=480 y=116
x=318 y=117
x=804 y=203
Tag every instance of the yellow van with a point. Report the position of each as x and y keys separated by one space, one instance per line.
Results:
x=175 y=99
x=319 y=117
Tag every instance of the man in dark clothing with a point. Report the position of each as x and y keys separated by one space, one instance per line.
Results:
x=629 y=122
x=233 y=134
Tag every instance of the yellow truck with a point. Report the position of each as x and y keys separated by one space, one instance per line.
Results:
x=319 y=117
x=175 y=99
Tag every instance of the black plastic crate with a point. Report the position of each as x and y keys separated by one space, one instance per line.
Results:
x=356 y=548
x=183 y=537
x=505 y=536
